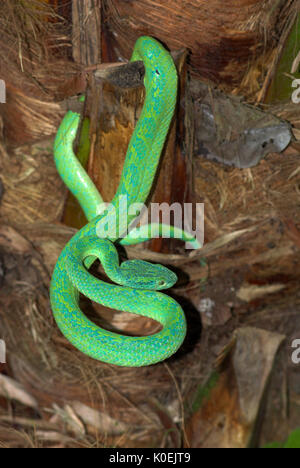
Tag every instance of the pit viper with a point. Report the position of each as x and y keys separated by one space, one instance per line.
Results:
x=137 y=283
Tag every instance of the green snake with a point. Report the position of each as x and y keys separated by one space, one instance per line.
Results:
x=137 y=282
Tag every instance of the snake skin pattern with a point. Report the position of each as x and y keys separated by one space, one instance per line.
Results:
x=138 y=282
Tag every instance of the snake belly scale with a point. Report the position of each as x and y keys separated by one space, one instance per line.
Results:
x=137 y=282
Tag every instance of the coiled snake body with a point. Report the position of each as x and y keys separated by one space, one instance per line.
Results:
x=138 y=282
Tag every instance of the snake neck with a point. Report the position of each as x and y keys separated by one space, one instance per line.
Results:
x=145 y=146
x=143 y=152
x=149 y=136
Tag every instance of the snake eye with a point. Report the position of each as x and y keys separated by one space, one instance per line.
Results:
x=157 y=72
x=162 y=283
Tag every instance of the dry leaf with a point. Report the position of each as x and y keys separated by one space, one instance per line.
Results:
x=13 y=390
x=101 y=421
x=250 y=292
x=12 y=241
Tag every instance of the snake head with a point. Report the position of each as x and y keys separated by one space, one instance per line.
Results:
x=159 y=65
x=139 y=274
